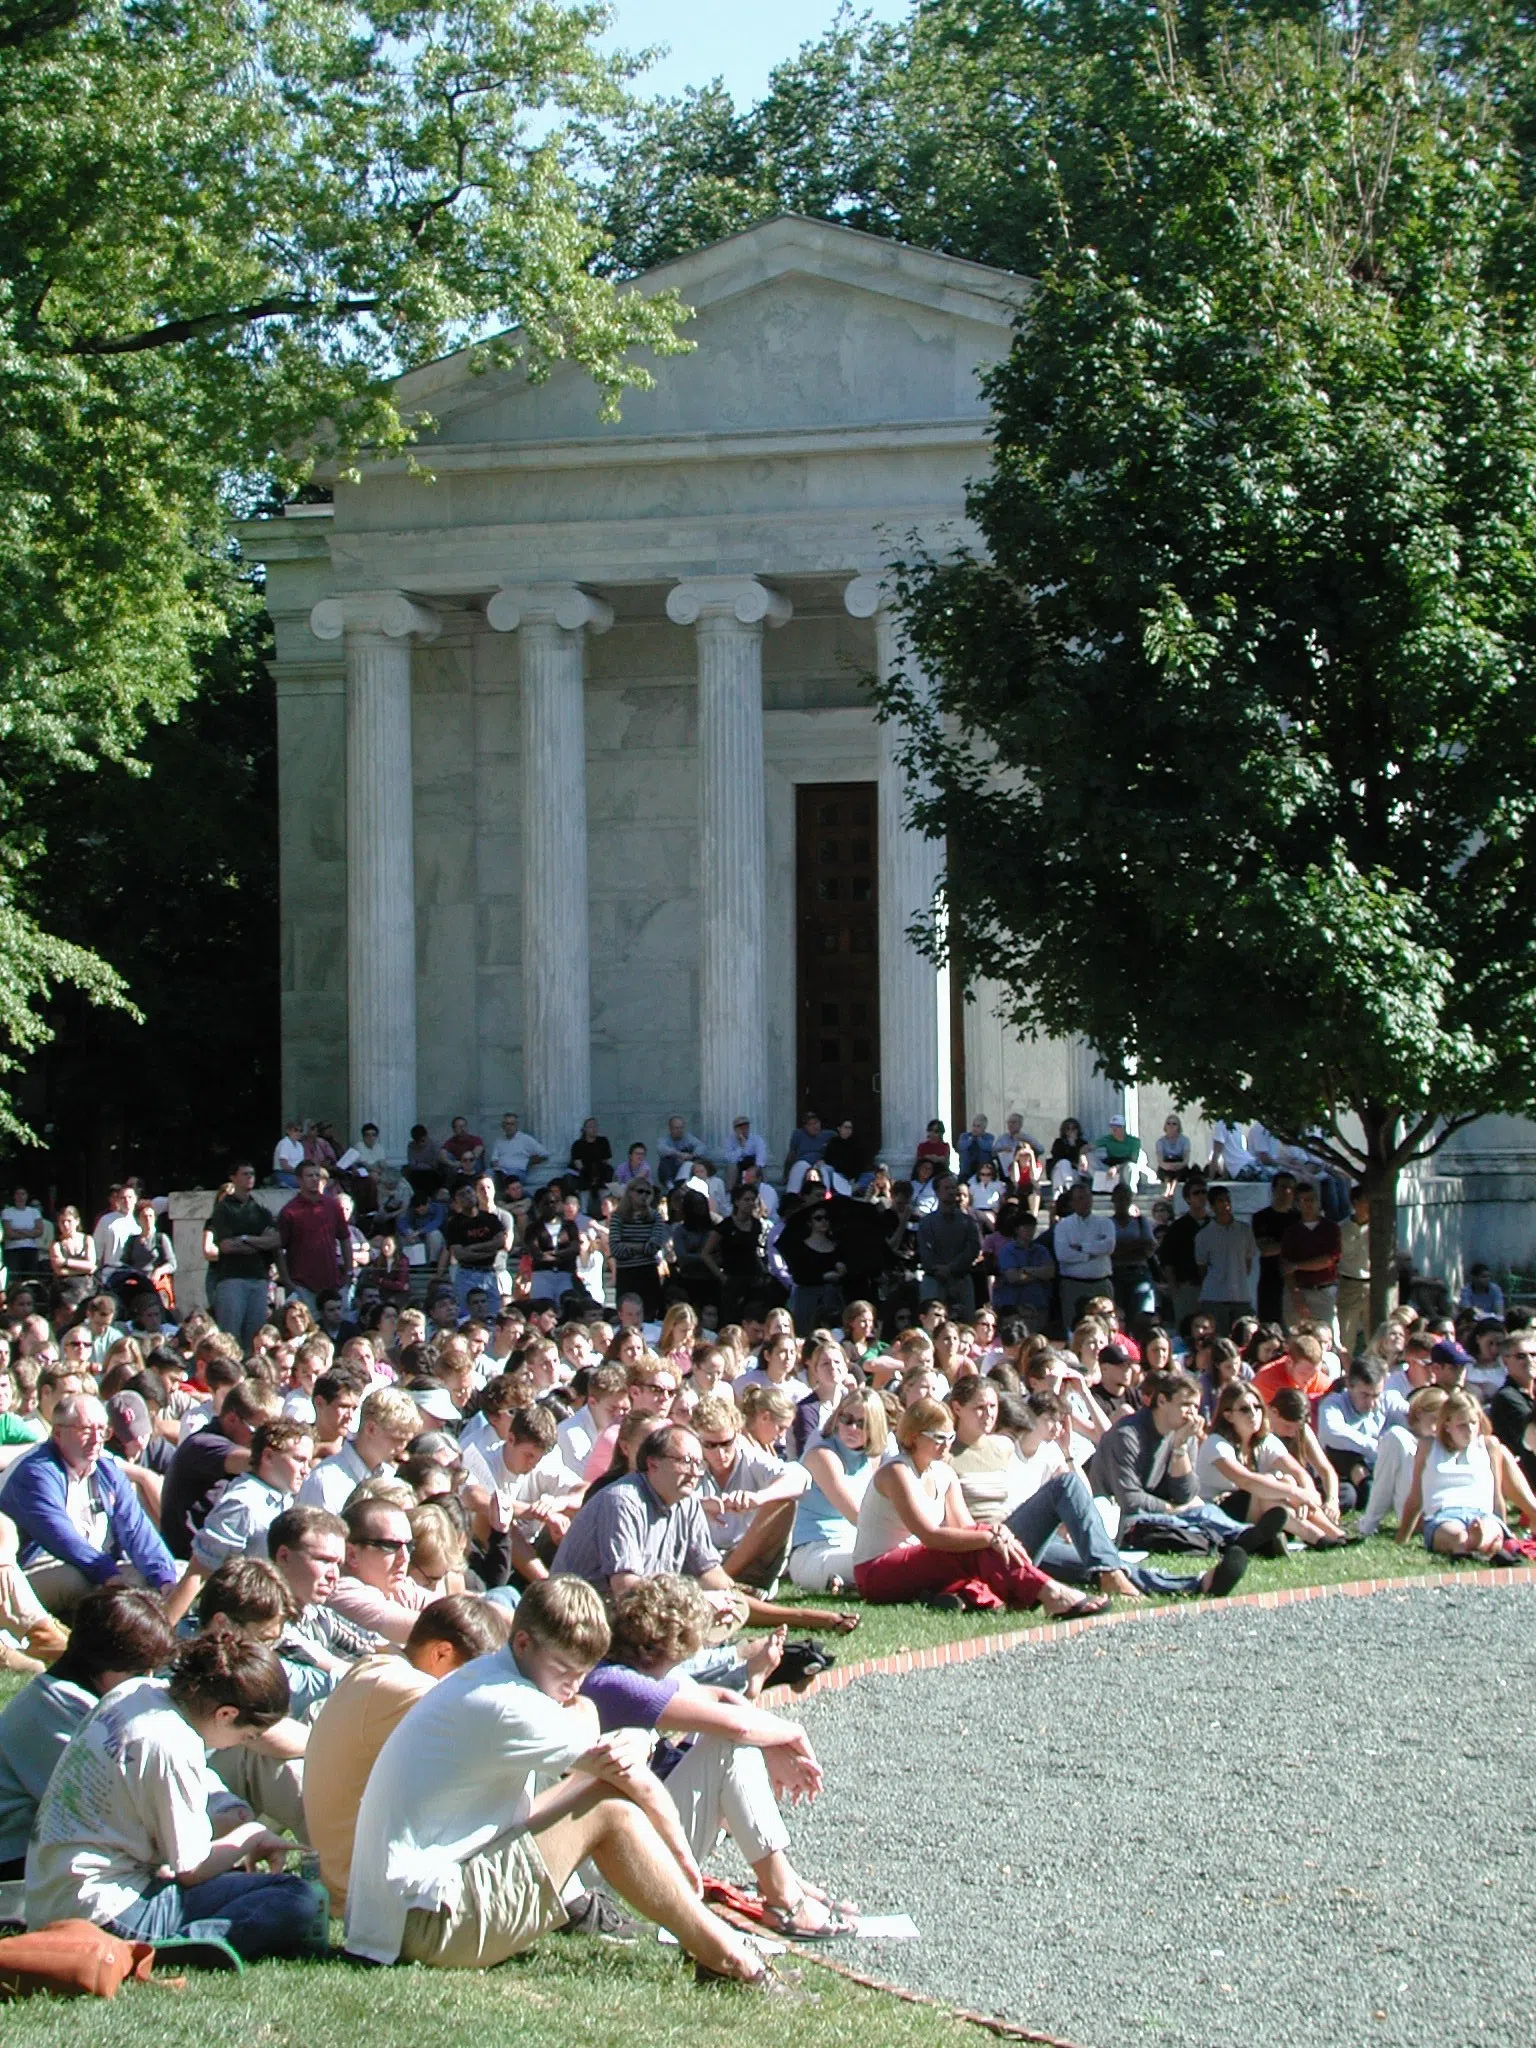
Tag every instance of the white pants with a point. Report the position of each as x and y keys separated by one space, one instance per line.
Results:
x=812 y=1566
x=723 y=1784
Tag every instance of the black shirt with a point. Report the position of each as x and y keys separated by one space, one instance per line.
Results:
x=192 y=1481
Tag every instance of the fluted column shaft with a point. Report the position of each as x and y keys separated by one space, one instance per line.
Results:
x=914 y=994
x=551 y=622
x=378 y=628
x=729 y=615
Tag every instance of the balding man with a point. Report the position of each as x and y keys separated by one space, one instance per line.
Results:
x=80 y=1521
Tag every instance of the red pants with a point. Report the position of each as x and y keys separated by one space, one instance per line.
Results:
x=980 y=1577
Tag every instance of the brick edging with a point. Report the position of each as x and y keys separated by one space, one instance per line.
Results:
x=967 y=1649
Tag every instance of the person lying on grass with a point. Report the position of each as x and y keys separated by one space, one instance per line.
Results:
x=733 y=1762
x=458 y=1862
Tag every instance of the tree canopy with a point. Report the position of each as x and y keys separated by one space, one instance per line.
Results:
x=223 y=227
x=1232 y=722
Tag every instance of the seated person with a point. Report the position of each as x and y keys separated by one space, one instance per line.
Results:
x=124 y=1836
x=387 y=1423
x=118 y=1633
x=1350 y=1420
x=524 y=1486
x=1457 y=1486
x=652 y=1521
x=748 y=1495
x=375 y=1590
x=459 y=1863
x=1146 y=1465
x=1397 y=1455
x=605 y=1406
x=237 y=1523
x=79 y=1519
x=840 y=1466
x=365 y=1709
x=733 y=1762
x=318 y=1647
x=266 y=1774
x=1242 y=1464
x=30 y=1638
x=917 y=1541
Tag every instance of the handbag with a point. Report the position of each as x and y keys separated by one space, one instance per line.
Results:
x=71 y=1959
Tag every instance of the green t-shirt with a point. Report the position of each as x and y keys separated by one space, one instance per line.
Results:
x=21 y=1429
x=1120 y=1149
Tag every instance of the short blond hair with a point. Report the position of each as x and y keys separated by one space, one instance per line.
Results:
x=764 y=1400
x=390 y=1408
x=716 y=1413
x=565 y=1614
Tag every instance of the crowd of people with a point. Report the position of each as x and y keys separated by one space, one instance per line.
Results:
x=445 y=1554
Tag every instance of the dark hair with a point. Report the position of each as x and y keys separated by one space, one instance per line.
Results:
x=341 y=1379
x=1370 y=1371
x=115 y=1629
x=1168 y=1386
x=654 y=1446
x=282 y=1433
x=470 y=1626
x=532 y=1425
x=221 y=1668
x=246 y=1590
x=966 y=1388
x=299 y=1521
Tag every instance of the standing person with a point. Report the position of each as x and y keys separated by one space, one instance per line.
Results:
x=1309 y=1257
x=113 y=1231
x=635 y=1241
x=72 y=1255
x=949 y=1250
x=1083 y=1246
x=476 y=1237
x=246 y=1235
x=314 y=1240
x=1135 y=1243
x=1226 y=1253
x=1269 y=1227
x=458 y=1863
x=1176 y=1251
x=1355 y=1273
x=22 y=1221
x=123 y=1836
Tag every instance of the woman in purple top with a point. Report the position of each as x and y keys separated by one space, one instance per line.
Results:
x=726 y=1762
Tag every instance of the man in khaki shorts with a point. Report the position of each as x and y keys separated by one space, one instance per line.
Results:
x=458 y=1862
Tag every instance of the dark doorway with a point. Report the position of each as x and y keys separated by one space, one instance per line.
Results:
x=837 y=921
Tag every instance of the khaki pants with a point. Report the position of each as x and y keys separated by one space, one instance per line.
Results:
x=1354 y=1313
x=272 y=1787
x=508 y=1901
x=61 y=1588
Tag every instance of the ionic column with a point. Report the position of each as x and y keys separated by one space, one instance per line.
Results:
x=550 y=620
x=378 y=626
x=914 y=994
x=729 y=614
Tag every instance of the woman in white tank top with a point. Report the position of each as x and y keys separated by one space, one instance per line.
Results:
x=1458 y=1486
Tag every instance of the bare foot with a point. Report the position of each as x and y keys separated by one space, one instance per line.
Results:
x=1119 y=1584
x=761 y=1657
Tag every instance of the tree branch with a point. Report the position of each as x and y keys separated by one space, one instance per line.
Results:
x=1405 y=1150
x=173 y=331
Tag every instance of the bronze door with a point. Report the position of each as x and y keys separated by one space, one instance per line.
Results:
x=837 y=918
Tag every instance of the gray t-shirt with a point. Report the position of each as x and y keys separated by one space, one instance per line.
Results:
x=626 y=1528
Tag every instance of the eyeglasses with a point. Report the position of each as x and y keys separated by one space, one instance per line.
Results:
x=943 y=1438
x=684 y=1464
x=390 y=1543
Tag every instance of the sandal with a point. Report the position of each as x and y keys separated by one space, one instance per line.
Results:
x=1080 y=1610
x=789 y=1924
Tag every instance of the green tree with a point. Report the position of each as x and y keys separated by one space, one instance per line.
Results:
x=1232 y=723
x=223 y=227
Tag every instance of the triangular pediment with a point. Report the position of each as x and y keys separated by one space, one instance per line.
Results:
x=797 y=325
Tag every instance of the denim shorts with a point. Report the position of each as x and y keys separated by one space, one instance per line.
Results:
x=1460 y=1516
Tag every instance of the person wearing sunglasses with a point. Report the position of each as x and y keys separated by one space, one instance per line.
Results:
x=376 y=1591
x=916 y=1540
x=1243 y=1466
x=841 y=1461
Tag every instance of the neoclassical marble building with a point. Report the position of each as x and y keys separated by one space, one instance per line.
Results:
x=584 y=804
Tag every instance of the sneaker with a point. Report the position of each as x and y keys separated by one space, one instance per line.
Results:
x=1226 y=1573
x=199 y=1952
x=1266 y=1538
x=595 y=1913
x=767 y=1982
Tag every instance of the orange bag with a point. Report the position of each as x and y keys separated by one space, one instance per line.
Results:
x=72 y=1959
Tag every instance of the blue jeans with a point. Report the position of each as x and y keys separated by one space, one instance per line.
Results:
x=1067 y=1499
x=1216 y=1522
x=240 y=1307
x=257 y=1912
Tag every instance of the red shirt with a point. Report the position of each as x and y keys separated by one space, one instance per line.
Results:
x=311 y=1235
x=464 y=1147
x=1269 y=1379
x=1319 y=1240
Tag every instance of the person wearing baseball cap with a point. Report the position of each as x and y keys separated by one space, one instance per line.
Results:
x=1120 y=1150
x=1449 y=1363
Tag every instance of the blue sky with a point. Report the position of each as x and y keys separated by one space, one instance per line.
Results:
x=727 y=39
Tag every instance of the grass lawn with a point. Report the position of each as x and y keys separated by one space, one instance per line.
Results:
x=582 y=1992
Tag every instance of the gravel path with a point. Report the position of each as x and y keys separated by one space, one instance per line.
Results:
x=1305 y=1828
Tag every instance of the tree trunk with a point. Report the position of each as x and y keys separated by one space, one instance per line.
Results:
x=1380 y=1183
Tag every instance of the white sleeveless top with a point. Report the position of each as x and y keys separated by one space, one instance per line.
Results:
x=881 y=1528
x=1457 y=1481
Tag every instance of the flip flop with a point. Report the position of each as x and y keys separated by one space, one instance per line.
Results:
x=781 y=1921
x=1080 y=1610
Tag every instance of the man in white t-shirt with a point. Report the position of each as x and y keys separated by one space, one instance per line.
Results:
x=516 y=1152
x=115 y=1231
x=459 y=1862
x=533 y=1491
x=22 y=1221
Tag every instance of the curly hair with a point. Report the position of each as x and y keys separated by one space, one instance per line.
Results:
x=659 y=1622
